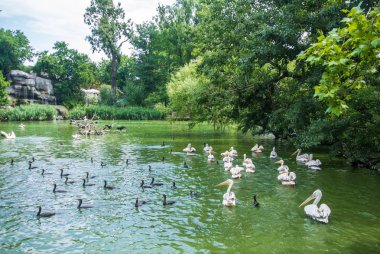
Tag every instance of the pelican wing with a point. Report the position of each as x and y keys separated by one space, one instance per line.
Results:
x=319 y=214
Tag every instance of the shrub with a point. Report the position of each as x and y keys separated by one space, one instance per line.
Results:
x=28 y=113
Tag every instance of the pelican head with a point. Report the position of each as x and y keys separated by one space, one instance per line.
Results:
x=280 y=162
x=228 y=182
x=297 y=151
x=316 y=195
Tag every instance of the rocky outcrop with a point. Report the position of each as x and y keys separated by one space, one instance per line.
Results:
x=30 y=87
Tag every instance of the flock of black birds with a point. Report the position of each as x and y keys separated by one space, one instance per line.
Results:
x=86 y=183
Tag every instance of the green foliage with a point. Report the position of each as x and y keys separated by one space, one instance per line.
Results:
x=69 y=70
x=110 y=113
x=14 y=49
x=106 y=96
x=350 y=57
x=31 y=112
x=109 y=31
x=3 y=93
x=185 y=90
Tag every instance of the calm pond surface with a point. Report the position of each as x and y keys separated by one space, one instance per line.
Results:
x=193 y=225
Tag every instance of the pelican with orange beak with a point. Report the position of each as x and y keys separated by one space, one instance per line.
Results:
x=320 y=213
x=228 y=197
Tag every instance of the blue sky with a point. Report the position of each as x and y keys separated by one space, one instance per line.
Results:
x=46 y=21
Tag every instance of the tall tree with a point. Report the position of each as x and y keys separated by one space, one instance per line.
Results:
x=14 y=50
x=109 y=31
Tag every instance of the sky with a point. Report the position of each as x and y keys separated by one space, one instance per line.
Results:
x=46 y=21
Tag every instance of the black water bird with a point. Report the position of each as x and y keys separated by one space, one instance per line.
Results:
x=255 y=203
x=80 y=206
x=30 y=165
x=185 y=165
x=144 y=186
x=44 y=214
x=88 y=177
x=171 y=151
x=33 y=159
x=92 y=160
x=163 y=159
x=167 y=202
x=108 y=126
x=217 y=162
x=193 y=193
x=67 y=181
x=57 y=191
x=62 y=174
x=12 y=161
x=87 y=184
x=107 y=186
x=120 y=128
x=152 y=183
x=173 y=186
x=139 y=202
x=150 y=168
x=163 y=143
x=127 y=162
x=102 y=164
x=44 y=173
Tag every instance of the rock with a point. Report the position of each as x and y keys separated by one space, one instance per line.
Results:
x=30 y=87
x=62 y=111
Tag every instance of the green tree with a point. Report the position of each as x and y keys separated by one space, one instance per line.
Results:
x=14 y=50
x=109 y=31
x=3 y=93
x=69 y=70
x=350 y=58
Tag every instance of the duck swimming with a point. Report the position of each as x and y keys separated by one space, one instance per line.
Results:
x=167 y=202
x=44 y=214
x=80 y=206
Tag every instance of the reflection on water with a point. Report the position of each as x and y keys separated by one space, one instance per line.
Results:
x=193 y=224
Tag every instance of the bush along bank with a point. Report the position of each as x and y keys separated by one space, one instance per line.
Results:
x=32 y=112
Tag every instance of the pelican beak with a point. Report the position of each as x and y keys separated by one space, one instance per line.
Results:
x=278 y=162
x=294 y=153
x=227 y=182
x=308 y=200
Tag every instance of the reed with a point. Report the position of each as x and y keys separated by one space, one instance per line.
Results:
x=33 y=112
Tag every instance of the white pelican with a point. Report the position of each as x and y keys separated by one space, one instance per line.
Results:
x=313 y=164
x=76 y=136
x=235 y=171
x=206 y=147
x=21 y=126
x=228 y=159
x=228 y=197
x=227 y=165
x=273 y=154
x=233 y=152
x=10 y=135
x=189 y=149
x=250 y=167
x=320 y=214
x=210 y=157
x=301 y=157
x=257 y=149
x=246 y=160
x=283 y=168
x=226 y=154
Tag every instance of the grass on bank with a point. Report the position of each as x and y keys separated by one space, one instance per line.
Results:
x=32 y=112
x=109 y=113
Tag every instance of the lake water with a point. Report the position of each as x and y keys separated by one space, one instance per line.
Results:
x=199 y=224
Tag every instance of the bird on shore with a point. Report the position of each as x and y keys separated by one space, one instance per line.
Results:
x=44 y=214
x=81 y=206
x=57 y=191
x=165 y=202
x=320 y=213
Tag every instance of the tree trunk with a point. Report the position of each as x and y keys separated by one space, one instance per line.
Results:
x=113 y=76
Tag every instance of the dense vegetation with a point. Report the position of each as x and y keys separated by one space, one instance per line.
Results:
x=306 y=71
x=28 y=113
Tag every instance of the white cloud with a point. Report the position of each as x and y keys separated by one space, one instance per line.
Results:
x=47 y=21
